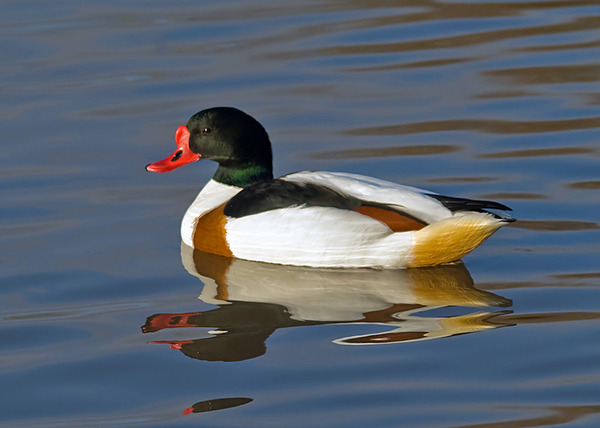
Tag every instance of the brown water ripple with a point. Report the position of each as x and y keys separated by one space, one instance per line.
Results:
x=555 y=225
x=578 y=276
x=587 y=185
x=549 y=74
x=558 y=415
x=527 y=153
x=491 y=126
x=513 y=195
x=461 y=179
x=546 y=317
x=438 y=62
x=455 y=11
x=559 y=47
x=375 y=152
x=569 y=280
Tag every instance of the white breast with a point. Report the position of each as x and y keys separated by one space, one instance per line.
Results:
x=211 y=196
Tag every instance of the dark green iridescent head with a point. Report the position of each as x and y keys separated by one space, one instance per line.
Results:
x=236 y=141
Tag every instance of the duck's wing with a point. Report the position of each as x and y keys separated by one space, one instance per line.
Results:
x=402 y=208
x=277 y=194
x=411 y=200
x=419 y=203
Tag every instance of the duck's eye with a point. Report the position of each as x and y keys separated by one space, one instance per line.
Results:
x=206 y=130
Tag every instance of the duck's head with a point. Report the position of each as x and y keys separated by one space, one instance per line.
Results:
x=228 y=136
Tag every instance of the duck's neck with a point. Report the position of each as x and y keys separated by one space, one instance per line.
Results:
x=242 y=175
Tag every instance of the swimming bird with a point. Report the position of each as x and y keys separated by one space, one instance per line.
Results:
x=314 y=218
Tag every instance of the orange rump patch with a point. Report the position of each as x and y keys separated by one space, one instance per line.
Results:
x=394 y=220
x=209 y=234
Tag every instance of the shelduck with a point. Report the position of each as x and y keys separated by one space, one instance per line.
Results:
x=315 y=218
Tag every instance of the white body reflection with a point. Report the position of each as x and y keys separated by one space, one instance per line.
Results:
x=394 y=298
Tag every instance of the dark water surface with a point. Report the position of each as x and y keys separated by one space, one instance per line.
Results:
x=481 y=99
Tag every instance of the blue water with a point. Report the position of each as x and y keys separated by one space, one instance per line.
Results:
x=479 y=99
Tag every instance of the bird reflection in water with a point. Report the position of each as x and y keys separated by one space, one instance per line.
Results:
x=255 y=299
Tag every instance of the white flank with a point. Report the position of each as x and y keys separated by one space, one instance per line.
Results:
x=317 y=236
x=210 y=197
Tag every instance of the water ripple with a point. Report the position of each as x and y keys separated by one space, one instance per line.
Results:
x=483 y=125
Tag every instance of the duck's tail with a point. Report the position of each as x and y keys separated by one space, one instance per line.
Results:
x=452 y=238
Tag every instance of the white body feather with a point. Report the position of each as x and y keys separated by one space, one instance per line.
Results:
x=317 y=236
x=330 y=237
x=210 y=197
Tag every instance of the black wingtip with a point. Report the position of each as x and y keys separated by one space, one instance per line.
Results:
x=464 y=204
x=498 y=206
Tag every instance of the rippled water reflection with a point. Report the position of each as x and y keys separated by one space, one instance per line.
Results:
x=256 y=299
x=496 y=100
